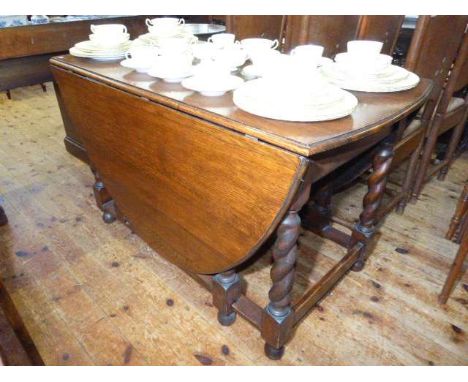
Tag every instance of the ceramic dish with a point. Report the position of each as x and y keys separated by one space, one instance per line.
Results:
x=392 y=79
x=167 y=76
x=212 y=87
x=136 y=65
x=97 y=56
x=256 y=98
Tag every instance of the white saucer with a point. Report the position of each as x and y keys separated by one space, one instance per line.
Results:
x=169 y=77
x=212 y=87
x=133 y=64
x=257 y=97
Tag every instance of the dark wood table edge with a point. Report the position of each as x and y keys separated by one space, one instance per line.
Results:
x=227 y=123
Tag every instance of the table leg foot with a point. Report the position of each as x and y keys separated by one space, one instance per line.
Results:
x=108 y=217
x=227 y=319
x=358 y=266
x=274 y=353
x=226 y=290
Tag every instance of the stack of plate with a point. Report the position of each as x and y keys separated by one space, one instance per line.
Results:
x=391 y=78
x=91 y=49
x=294 y=102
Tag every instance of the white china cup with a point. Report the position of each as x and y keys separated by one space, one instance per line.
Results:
x=231 y=56
x=174 y=65
x=308 y=55
x=108 y=29
x=142 y=54
x=204 y=50
x=254 y=44
x=262 y=58
x=223 y=40
x=364 y=47
x=175 y=45
x=164 y=22
x=363 y=64
x=163 y=31
x=109 y=39
x=211 y=70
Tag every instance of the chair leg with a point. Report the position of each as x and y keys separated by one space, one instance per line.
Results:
x=454 y=140
x=428 y=149
x=8 y=94
x=409 y=179
x=364 y=230
x=456 y=268
x=3 y=217
x=44 y=88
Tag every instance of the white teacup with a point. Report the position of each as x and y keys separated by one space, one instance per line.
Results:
x=164 y=22
x=211 y=69
x=223 y=40
x=364 y=47
x=174 y=64
x=233 y=57
x=143 y=54
x=109 y=29
x=362 y=63
x=254 y=44
x=109 y=39
x=204 y=50
x=262 y=58
x=174 y=45
x=307 y=54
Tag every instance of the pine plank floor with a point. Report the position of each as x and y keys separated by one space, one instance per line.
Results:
x=94 y=294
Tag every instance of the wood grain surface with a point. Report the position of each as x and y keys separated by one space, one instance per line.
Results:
x=203 y=196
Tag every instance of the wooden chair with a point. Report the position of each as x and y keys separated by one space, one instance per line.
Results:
x=255 y=26
x=16 y=345
x=437 y=40
x=332 y=32
x=451 y=114
x=380 y=28
x=459 y=229
x=433 y=48
x=461 y=214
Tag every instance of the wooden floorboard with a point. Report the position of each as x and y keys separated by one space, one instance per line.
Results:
x=91 y=293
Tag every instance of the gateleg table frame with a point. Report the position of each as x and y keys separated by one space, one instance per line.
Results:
x=178 y=168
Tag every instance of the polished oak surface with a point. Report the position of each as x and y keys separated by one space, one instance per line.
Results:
x=374 y=112
x=203 y=196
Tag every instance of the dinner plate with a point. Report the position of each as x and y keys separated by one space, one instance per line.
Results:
x=392 y=79
x=212 y=87
x=91 y=46
x=100 y=57
x=256 y=98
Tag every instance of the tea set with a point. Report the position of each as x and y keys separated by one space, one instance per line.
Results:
x=299 y=86
x=106 y=42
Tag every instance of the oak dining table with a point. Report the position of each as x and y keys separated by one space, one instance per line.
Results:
x=206 y=184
